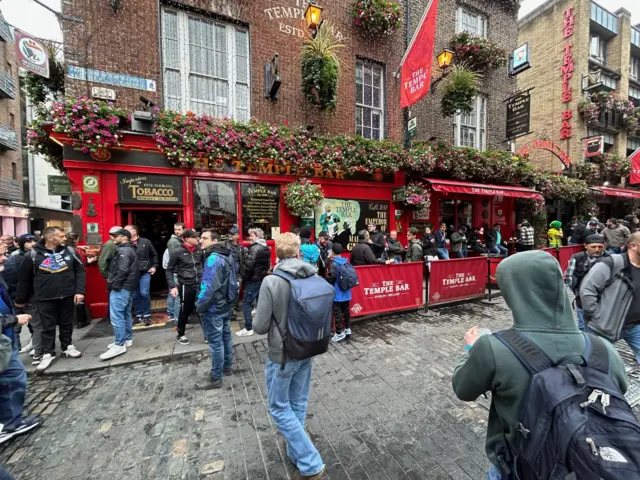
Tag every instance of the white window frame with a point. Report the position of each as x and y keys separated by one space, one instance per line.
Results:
x=186 y=100
x=598 y=48
x=634 y=68
x=364 y=64
x=479 y=124
x=481 y=19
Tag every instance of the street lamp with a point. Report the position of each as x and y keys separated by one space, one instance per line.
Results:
x=313 y=15
x=444 y=61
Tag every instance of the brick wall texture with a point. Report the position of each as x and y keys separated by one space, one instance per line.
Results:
x=128 y=42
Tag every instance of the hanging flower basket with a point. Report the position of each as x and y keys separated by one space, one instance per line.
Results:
x=416 y=195
x=376 y=17
x=598 y=102
x=302 y=197
x=478 y=54
x=460 y=91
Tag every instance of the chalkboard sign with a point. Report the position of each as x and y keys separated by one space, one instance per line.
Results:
x=154 y=189
x=518 y=115
x=58 y=185
x=260 y=208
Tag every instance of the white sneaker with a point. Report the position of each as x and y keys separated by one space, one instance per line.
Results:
x=113 y=351
x=244 y=333
x=32 y=353
x=253 y=312
x=338 y=336
x=46 y=360
x=72 y=352
x=26 y=348
x=127 y=343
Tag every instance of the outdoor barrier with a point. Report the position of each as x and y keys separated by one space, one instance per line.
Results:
x=493 y=266
x=385 y=288
x=563 y=254
x=457 y=279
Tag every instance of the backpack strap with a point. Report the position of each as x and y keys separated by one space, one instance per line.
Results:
x=596 y=353
x=283 y=275
x=530 y=355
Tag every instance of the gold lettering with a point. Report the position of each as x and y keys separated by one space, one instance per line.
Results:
x=340 y=175
x=318 y=172
x=252 y=169
x=237 y=165
x=328 y=174
x=266 y=168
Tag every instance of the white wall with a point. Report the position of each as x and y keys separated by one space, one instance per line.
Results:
x=39 y=171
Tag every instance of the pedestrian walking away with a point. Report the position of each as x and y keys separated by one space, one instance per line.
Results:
x=122 y=283
x=288 y=380
x=13 y=377
x=54 y=275
x=257 y=265
x=216 y=297
x=343 y=277
x=148 y=264
x=186 y=264
x=579 y=266
x=544 y=335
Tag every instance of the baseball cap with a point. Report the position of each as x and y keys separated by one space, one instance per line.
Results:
x=234 y=231
x=27 y=237
x=190 y=233
x=122 y=231
x=114 y=229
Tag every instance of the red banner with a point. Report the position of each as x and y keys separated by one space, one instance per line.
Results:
x=385 y=288
x=634 y=176
x=416 y=66
x=457 y=279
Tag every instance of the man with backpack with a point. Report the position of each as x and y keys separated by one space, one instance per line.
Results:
x=294 y=309
x=579 y=266
x=548 y=421
x=257 y=265
x=55 y=276
x=414 y=250
x=609 y=299
x=217 y=295
x=343 y=277
x=186 y=264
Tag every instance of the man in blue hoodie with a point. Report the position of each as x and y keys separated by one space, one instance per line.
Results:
x=309 y=252
x=341 y=302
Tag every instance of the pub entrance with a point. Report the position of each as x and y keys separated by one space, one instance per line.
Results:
x=156 y=225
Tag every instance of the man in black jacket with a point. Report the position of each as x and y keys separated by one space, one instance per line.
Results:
x=147 y=263
x=186 y=264
x=123 y=281
x=256 y=268
x=361 y=254
x=54 y=274
x=376 y=241
x=325 y=245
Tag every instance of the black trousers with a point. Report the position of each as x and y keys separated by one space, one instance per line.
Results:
x=188 y=295
x=342 y=315
x=56 y=313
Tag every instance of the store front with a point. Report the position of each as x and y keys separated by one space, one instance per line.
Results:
x=616 y=202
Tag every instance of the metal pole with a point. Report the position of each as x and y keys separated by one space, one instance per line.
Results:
x=489 y=278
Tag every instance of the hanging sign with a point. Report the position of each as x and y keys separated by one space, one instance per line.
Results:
x=58 y=185
x=518 y=115
x=593 y=146
x=31 y=54
x=155 y=189
x=520 y=60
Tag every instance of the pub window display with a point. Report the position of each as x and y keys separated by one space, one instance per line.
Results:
x=215 y=205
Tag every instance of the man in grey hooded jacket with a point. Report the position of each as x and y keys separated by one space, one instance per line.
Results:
x=288 y=385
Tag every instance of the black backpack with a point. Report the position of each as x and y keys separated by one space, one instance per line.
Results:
x=346 y=276
x=574 y=422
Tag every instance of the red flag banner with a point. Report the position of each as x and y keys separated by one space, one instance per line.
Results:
x=31 y=54
x=386 y=288
x=416 y=66
x=634 y=176
x=457 y=279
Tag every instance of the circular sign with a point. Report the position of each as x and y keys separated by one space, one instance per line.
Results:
x=32 y=51
x=90 y=183
x=101 y=155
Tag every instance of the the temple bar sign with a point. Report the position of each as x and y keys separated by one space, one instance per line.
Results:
x=549 y=146
x=151 y=189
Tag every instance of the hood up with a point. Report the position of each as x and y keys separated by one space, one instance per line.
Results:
x=532 y=285
x=296 y=267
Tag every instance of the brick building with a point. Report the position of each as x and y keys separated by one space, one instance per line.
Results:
x=12 y=210
x=599 y=51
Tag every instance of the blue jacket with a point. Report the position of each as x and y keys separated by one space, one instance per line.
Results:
x=213 y=289
x=332 y=277
x=310 y=253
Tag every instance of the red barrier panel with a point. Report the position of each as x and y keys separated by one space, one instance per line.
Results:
x=457 y=279
x=385 y=288
x=551 y=251
x=566 y=253
x=493 y=265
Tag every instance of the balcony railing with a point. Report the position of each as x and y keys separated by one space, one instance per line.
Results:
x=7 y=85
x=5 y=32
x=8 y=138
x=604 y=18
x=608 y=119
x=10 y=189
x=635 y=37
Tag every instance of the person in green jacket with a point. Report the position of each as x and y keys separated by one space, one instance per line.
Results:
x=533 y=288
x=107 y=252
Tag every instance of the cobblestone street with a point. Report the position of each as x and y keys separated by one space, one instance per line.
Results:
x=381 y=407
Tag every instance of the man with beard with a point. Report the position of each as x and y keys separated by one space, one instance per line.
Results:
x=325 y=245
x=376 y=240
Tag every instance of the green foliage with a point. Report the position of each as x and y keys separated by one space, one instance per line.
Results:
x=478 y=54
x=302 y=197
x=459 y=91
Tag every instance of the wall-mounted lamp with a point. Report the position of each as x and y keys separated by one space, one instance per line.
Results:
x=313 y=16
x=444 y=62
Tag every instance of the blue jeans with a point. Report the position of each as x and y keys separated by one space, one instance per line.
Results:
x=120 y=315
x=580 y=314
x=173 y=304
x=462 y=254
x=443 y=253
x=632 y=337
x=251 y=291
x=288 y=396
x=218 y=331
x=142 y=297
x=13 y=386
x=500 y=250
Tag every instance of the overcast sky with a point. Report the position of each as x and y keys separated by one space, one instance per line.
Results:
x=31 y=17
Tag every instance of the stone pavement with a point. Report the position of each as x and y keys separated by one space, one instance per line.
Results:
x=381 y=407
